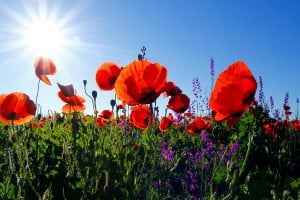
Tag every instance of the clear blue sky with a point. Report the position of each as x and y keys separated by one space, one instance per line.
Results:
x=181 y=35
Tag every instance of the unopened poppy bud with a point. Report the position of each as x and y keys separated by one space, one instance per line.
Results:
x=94 y=94
x=84 y=82
x=112 y=102
x=140 y=57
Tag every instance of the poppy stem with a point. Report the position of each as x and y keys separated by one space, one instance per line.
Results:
x=37 y=93
x=93 y=102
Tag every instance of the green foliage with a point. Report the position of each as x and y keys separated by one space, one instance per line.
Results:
x=70 y=157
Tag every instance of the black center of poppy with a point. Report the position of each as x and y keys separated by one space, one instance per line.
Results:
x=248 y=98
x=11 y=115
x=148 y=95
x=112 y=80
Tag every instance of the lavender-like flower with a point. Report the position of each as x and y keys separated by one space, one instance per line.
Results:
x=261 y=95
x=193 y=181
x=194 y=157
x=166 y=154
x=212 y=72
x=276 y=114
x=155 y=184
x=234 y=148
x=196 y=88
x=208 y=148
x=286 y=99
x=271 y=103
x=212 y=67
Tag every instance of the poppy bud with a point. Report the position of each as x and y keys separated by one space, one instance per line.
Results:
x=94 y=94
x=112 y=103
x=140 y=57
x=286 y=107
x=84 y=82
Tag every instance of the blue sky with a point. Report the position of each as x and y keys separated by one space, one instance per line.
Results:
x=181 y=35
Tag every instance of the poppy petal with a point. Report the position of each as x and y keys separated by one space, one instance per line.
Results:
x=17 y=108
x=67 y=90
x=233 y=93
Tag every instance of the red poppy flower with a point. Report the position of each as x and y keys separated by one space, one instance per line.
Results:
x=107 y=75
x=141 y=82
x=73 y=103
x=164 y=124
x=101 y=121
x=197 y=125
x=296 y=125
x=120 y=106
x=233 y=93
x=170 y=117
x=171 y=89
x=140 y=116
x=107 y=114
x=16 y=107
x=179 y=103
x=44 y=66
x=273 y=130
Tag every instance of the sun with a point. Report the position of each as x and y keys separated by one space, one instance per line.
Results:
x=44 y=37
x=40 y=29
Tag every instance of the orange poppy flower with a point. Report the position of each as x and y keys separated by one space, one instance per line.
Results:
x=140 y=116
x=73 y=103
x=164 y=124
x=16 y=107
x=44 y=66
x=141 y=82
x=107 y=75
x=179 y=103
x=233 y=93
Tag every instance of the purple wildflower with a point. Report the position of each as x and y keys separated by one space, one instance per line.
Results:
x=286 y=99
x=167 y=154
x=266 y=107
x=124 y=125
x=155 y=184
x=234 y=166
x=234 y=148
x=212 y=67
x=196 y=88
x=212 y=72
x=193 y=181
x=271 y=103
x=194 y=157
x=276 y=114
x=208 y=147
x=261 y=95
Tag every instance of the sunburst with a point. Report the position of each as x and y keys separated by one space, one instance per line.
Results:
x=39 y=30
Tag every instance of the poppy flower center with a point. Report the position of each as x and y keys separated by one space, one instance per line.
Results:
x=112 y=80
x=10 y=115
x=148 y=95
x=248 y=98
x=71 y=102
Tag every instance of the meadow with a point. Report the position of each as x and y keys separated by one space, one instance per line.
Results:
x=227 y=145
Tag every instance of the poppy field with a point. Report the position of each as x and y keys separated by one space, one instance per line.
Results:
x=230 y=144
